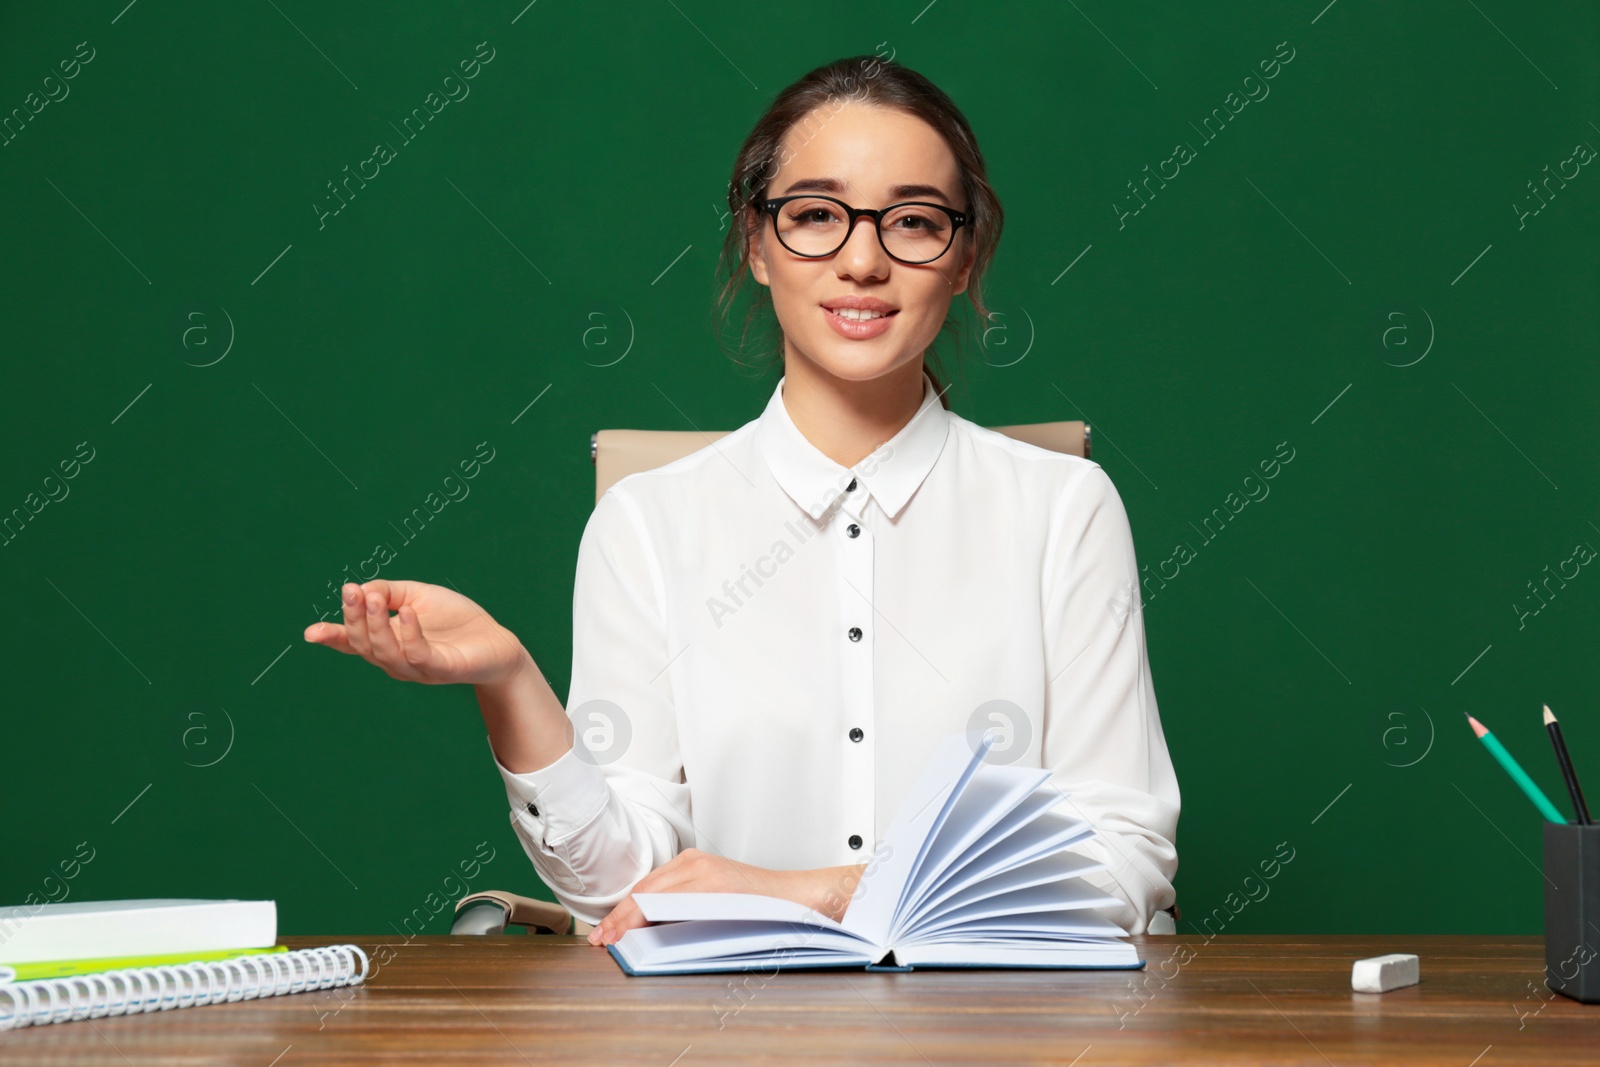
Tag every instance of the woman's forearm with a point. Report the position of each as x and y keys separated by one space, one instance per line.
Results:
x=528 y=728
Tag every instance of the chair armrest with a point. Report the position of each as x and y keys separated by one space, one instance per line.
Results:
x=476 y=914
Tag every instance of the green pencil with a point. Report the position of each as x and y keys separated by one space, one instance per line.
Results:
x=1518 y=775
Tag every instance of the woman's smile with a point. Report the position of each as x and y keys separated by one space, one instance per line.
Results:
x=859 y=318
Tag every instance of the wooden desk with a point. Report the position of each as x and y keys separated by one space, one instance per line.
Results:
x=538 y=1000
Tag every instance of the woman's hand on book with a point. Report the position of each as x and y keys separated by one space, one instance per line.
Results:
x=824 y=889
x=437 y=636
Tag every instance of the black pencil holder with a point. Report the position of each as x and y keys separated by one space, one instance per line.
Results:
x=1572 y=910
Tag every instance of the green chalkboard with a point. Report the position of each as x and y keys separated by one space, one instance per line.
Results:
x=1353 y=242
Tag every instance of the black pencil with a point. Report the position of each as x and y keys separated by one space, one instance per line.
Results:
x=1563 y=758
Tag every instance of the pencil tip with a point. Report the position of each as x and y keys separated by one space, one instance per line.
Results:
x=1477 y=727
x=1549 y=716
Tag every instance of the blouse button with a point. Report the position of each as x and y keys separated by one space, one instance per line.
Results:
x=851 y=487
x=856 y=734
x=855 y=841
x=532 y=810
x=853 y=530
x=855 y=633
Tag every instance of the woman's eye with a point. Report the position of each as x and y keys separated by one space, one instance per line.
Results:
x=915 y=223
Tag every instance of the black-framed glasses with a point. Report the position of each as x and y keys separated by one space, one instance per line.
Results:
x=815 y=226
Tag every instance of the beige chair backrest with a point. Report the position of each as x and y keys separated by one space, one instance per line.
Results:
x=619 y=453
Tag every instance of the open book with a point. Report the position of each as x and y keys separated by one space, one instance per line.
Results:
x=976 y=871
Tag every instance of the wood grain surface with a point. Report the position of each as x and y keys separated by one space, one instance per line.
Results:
x=557 y=1000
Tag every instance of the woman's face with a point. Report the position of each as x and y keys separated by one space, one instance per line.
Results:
x=865 y=156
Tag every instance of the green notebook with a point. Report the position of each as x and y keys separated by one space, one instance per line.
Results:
x=68 y=968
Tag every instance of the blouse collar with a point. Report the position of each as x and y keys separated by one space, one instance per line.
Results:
x=890 y=474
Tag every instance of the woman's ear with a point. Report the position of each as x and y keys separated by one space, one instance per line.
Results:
x=958 y=284
x=755 y=235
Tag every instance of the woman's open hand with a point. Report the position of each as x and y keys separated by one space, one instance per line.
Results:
x=825 y=889
x=437 y=636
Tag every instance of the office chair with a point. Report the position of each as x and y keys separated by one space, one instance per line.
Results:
x=615 y=455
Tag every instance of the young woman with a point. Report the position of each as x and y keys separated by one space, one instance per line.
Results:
x=770 y=636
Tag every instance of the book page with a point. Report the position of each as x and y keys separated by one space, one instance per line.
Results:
x=676 y=944
x=1051 y=868
x=734 y=944
x=879 y=892
x=684 y=907
x=990 y=795
x=1072 y=894
x=728 y=931
x=998 y=852
x=1029 y=926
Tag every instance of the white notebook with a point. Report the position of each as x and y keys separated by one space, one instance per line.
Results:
x=185 y=985
x=99 y=929
x=977 y=870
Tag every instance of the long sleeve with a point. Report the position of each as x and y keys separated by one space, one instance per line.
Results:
x=614 y=807
x=1102 y=732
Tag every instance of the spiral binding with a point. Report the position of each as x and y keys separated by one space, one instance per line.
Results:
x=182 y=985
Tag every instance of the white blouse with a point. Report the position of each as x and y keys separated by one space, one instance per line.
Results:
x=767 y=647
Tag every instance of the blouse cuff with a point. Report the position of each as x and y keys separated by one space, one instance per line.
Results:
x=556 y=801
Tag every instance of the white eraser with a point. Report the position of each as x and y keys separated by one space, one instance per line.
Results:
x=1383 y=973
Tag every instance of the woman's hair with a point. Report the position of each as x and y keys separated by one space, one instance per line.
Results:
x=866 y=80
